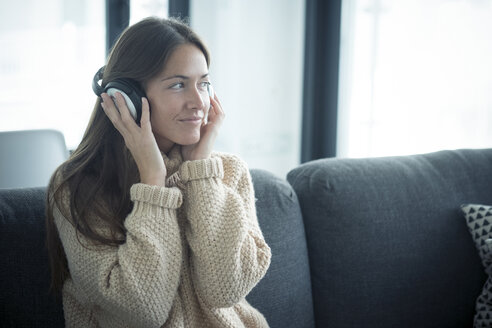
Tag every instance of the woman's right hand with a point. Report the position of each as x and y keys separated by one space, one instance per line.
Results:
x=139 y=139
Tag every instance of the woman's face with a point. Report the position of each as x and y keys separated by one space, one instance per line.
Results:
x=179 y=98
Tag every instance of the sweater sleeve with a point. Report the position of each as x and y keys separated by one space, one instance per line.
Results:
x=229 y=255
x=137 y=281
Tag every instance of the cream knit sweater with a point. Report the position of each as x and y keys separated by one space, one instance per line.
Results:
x=193 y=251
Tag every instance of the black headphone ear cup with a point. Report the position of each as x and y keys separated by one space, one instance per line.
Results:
x=129 y=103
x=132 y=93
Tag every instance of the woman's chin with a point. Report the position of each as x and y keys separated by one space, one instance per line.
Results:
x=189 y=141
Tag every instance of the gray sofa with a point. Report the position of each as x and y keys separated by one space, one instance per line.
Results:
x=377 y=242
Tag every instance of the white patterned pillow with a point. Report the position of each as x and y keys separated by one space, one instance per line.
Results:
x=479 y=221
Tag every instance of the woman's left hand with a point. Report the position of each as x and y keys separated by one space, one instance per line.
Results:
x=203 y=148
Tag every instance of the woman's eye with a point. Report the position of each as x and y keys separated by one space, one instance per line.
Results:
x=179 y=85
x=204 y=84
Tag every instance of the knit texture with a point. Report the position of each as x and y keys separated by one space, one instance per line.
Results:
x=193 y=251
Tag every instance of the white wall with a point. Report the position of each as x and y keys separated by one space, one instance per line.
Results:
x=257 y=52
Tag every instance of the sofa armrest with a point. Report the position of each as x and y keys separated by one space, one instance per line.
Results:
x=387 y=242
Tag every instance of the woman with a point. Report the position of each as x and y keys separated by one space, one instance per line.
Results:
x=147 y=226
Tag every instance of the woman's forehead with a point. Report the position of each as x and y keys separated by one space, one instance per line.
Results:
x=187 y=60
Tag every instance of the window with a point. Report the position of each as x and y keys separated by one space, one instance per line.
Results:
x=415 y=76
x=50 y=52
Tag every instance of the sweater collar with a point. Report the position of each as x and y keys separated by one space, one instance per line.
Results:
x=173 y=159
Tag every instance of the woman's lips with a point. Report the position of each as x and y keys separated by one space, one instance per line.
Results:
x=192 y=120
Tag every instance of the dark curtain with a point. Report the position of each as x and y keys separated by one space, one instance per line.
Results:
x=321 y=64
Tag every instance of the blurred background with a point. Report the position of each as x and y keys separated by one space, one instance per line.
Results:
x=299 y=79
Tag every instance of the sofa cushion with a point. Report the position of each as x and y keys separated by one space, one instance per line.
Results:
x=387 y=243
x=284 y=294
x=479 y=221
x=25 y=300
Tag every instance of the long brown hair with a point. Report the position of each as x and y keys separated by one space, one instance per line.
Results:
x=95 y=181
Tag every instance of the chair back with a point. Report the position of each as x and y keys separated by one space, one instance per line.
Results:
x=28 y=158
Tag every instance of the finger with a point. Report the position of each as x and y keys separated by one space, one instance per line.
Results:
x=111 y=111
x=211 y=114
x=216 y=99
x=126 y=116
x=145 y=119
x=109 y=107
x=217 y=109
x=217 y=105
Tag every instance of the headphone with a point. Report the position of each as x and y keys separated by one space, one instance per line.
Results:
x=129 y=89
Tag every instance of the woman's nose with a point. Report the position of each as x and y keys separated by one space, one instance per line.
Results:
x=196 y=99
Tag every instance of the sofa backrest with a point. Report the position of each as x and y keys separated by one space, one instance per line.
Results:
x=388 y=245
x=283 y=296
x=25 y=300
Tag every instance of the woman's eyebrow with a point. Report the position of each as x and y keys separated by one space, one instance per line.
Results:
x=177 y=76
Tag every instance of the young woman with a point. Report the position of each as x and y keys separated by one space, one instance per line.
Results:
x=147 y=226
